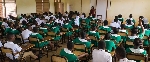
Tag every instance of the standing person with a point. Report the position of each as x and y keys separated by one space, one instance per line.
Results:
x=93 y=11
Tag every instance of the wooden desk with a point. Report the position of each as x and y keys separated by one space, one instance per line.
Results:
x=77 y=53
x=27 y=46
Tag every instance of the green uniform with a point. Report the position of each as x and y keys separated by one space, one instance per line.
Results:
x=38 y=36
x=124 y=37
x=116 y=37
x=44 y=30
x=132 y=50
x=105 y=28
x=13 y=31
x=82 y=41
x=50 y=24
x=69 y=55
x=129 y=26
x=120 y=19
x=69 y=27
x=110 y=45
x=55 y=29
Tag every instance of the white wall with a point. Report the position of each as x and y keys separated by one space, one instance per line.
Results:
x=26 y=6
x=52 y=7
x=93 y=3
x=101 y=8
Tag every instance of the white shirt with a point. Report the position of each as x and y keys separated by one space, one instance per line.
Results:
x=23 y=19
x=56 y=20
x=1 y=44
x=25 y=34
x=126 y=60
x=61 y=22
x=5 y=24
x=101 y=56
x=15 y=48
x=38 y=21
x=114 y=24
x=47 y=17
x=77 y=20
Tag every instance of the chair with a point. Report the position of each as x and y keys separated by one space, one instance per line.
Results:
x=79 y=47
x=135 y=56
x=92 y=37
x=129 y=43
x=102 y=31
x=8 y=50
x=57 y=58
x=20 y=38
x=122 y=34
x=39 y=49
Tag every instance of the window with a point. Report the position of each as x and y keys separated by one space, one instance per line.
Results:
x=7 y=7
x=42 y=6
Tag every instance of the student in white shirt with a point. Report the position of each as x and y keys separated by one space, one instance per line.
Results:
x=38 y=20
x=77 y=20
x=23 y=19
x=100 y=55
x=16 y=49
x=115 y=24
x=26 y=33
x=5 y=24
x=121 y=55
x=61 y=21
x=1 y=44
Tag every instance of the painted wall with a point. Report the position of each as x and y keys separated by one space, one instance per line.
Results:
x=52 y=7
x=26 y=6
x=101 y=8
x=126 y=7
x=86 y=6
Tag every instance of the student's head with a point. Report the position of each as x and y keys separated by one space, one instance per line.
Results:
x=11 y=37
x=5 y=20
x=10 y=24
x=42 y=24
x=101 y=44
x=29 y=28
x=105 y=22
x=130 y=16
x=116 y=20
x=122 y=26
x=24 y=22
x=115 y=30
x=90 y=14
x=92 y=7
x=138 y=43
x=129 y=21
x=83 y=35
x=107 y=36
x=141 y=17
x=55 y=24
x=70 y=45
x=35 y=29
x=120 y=53
x=119 y=16
x=93 y=28
x=116 y=17
x=135 y=30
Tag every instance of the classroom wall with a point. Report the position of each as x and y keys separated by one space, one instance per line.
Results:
x=126 y=7
x=26 y=6
x=52 y=6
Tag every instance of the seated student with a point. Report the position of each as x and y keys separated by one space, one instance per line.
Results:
x=83 y=16
x=120 y=18
x=123 y=28
x=5 y=24
x=16 y=49
x=35 y=24
x=42 y=20
x=68 y=53
x=100 y=55
x=115 y=35
x=26 y=33
x=77 y=20
x=121 y=55
x=110 y=45
x=55 y=28
x=61 y=20
x=138 y=44
x=50 y=23
x=90 y=16
x=136 y=34
x=94 y=33
x=37 y=35
x=82 y=40
x=68 y=27
x=105 y=27
x=116 y=18
x=129 y=24
x=23 y=19
x=43 y=28
x=11 y=29
x=115 y=24
x=56 y=20
x=38 y=20
x=130 y=18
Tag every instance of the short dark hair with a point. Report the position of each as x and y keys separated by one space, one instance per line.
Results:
x=107 y=36
x=9 y=35
x=119 y=16
x=121 y=52
x=70 y=45
x=115 y=30
x=122 y=26
x=129 y=21
x=35 y=29
x=82 y=34
x=101 y=44
x=137 y=42
x=42 y=24
x=130 y=15
x=105 y=22
x=135 y=30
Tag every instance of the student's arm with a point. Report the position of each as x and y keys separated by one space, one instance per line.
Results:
x=140 y=22
x=82 y=55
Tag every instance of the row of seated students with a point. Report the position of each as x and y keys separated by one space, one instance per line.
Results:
x=30 y=26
